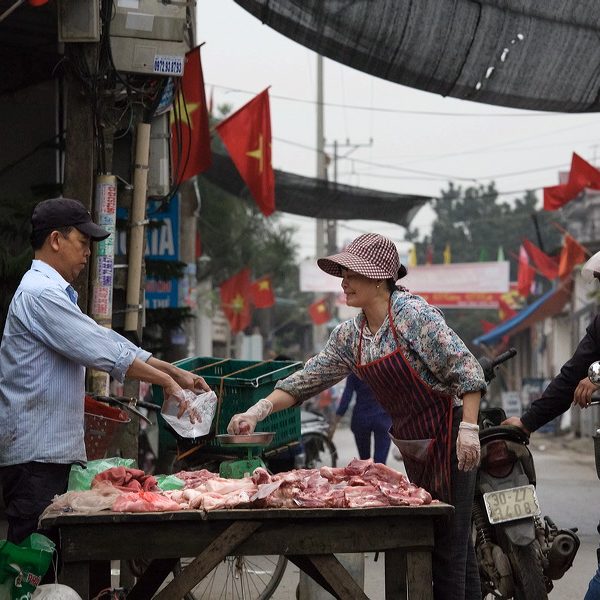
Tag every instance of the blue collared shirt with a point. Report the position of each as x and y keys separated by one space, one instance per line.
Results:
x=47 y=344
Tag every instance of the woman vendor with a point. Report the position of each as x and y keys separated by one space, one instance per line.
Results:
x=422 y=374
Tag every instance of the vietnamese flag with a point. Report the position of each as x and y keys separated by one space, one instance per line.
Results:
x=247 y=137
x=583 y=174
x=487 y=326
x=558 y=195
x=505 y=311
x=261 y=293
x=572 y=253
x=525 y=274
x=234 y=300
x=545 y=264
x=190 y=137
x=318 y=311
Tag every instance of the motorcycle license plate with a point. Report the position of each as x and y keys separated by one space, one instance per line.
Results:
x=511 y=504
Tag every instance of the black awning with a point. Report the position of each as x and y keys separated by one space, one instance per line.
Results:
x=319 y=198
x=518 y=53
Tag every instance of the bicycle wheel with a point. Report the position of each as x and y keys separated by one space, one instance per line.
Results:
x=320 y=451
x=239 y=578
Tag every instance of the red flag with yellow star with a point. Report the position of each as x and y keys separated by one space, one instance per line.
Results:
x=190 y=136
x=318 y=311
x=234 y=300
x=261 y=293
x=247 y=137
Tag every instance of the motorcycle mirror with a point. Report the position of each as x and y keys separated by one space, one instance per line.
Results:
x=594 y=372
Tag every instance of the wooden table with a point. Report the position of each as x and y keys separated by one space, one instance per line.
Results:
x=308 y=537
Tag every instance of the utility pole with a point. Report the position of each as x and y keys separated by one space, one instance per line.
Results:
x=332 y=245
x=319 y=332
x=321 y=162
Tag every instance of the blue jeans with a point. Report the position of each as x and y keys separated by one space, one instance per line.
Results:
x=593 y=592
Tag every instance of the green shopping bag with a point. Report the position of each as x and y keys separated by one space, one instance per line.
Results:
x=80 y=478
x=23 y=566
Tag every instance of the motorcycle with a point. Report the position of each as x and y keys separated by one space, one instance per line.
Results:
x=519 y=554
x=317 y=447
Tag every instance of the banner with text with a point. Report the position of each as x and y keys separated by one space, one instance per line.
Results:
x=162 y=243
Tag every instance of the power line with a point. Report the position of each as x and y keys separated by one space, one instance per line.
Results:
x=392 y=110
x=383 y=166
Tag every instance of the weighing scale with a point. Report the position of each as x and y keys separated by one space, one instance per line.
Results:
x=243 y=467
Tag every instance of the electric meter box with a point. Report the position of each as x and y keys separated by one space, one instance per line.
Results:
x=147 y=36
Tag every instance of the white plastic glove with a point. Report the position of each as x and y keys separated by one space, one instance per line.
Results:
x=467 y=446
x=244 y=423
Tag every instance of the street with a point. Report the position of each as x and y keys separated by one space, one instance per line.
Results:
x=568 y=490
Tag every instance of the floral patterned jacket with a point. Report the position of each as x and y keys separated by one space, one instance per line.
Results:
x=431 y=348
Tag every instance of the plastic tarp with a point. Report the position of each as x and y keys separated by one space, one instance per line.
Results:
x=533 y=54
x=547 y=305
x=320 y=198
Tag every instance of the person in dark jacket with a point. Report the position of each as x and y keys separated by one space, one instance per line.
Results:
x=570 y=386
x=369 y=420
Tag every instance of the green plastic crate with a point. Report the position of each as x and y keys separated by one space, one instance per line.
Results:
x=240 y=384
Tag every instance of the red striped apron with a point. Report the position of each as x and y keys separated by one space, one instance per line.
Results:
x=421 y=417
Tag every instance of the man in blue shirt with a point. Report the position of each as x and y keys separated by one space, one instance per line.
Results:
x=46 y=346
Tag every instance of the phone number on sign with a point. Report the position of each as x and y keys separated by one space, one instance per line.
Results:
x=170 y=65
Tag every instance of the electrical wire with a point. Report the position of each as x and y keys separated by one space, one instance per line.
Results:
x=394 y=110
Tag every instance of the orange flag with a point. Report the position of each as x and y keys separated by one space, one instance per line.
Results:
x=572 y=253
x=261 y=293
x=318 y=311
x=525 y=275
x=544 y=263
x=247 y=136
x=190 y=137
x=234 y=300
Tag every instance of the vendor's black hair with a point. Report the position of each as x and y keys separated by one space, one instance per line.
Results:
x=38 y=237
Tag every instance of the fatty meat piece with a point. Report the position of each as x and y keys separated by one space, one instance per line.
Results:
x=101 y=497
x=225 y=486
x=191 y=479
x=144 y=502
x=364 y=496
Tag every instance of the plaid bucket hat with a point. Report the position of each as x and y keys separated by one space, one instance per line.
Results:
x=371 y=255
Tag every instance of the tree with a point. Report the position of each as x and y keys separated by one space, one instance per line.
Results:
x=235 y=235
x=475 y=223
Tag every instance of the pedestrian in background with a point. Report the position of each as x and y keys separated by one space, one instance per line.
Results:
x=369 y=420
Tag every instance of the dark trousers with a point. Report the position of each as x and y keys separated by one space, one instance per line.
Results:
x=372 y=427
x=455 y=571
x=27 y=490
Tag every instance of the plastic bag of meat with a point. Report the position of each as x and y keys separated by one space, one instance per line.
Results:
x=196 y=420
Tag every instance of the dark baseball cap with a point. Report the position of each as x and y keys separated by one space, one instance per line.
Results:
x=62 y=212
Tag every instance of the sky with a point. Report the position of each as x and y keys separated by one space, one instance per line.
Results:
x=395 y=138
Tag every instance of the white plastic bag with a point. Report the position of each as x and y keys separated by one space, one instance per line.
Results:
x=202 y=406
x=55 y=591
